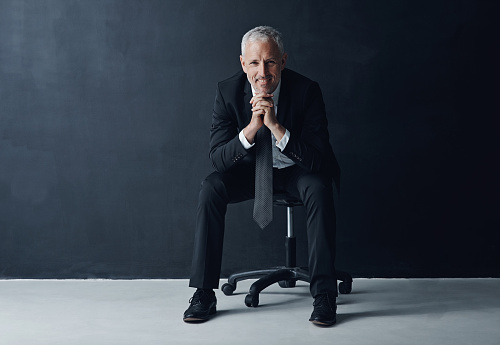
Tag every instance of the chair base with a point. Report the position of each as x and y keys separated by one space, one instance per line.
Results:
x=286 y=277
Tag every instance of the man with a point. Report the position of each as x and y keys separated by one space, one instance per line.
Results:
x=265 y=95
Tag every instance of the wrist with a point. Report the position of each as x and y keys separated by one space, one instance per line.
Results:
x=278 y=131
x=249 y=133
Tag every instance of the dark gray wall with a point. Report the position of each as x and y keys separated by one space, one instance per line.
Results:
x=105 y=108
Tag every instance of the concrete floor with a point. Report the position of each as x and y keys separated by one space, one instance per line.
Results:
x=378 y=311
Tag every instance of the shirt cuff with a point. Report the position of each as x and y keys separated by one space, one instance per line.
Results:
x=244 y=141
x=282 y=143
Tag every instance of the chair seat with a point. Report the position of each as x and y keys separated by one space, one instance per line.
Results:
x=284 y=199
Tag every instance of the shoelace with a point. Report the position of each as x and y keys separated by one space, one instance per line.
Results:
x=198 y=295
x=320 y=301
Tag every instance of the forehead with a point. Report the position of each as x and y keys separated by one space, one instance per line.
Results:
x=262 y=49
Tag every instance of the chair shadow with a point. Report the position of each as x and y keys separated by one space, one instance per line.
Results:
x=385 y=304
x=419 y=300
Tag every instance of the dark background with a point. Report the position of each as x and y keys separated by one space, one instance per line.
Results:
x=105 y=108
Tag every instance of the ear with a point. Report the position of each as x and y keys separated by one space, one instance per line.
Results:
x=242 y=61
x=283 y=61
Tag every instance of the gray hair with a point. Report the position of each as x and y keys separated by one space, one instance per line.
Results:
x=262 y=33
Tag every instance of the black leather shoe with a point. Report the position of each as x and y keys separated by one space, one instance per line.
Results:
x=325 y=310
x=202 y=305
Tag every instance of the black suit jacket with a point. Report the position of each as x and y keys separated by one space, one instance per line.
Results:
x=301 y=110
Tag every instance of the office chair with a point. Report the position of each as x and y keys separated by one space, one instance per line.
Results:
x=285 y=276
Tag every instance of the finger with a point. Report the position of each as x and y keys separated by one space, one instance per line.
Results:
x=261 y=96
x=264 y=94
x=260 y=111
x=261 y=107
x=264 y=103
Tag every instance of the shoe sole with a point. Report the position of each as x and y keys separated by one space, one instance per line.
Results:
x=323 y=324
x=199 y=319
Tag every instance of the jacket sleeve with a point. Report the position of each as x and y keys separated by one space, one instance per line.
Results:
x=226 y=150
x=309 y=145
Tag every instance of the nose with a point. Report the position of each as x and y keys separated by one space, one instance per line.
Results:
x=263 y=69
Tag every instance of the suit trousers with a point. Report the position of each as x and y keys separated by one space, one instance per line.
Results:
x=220 y=189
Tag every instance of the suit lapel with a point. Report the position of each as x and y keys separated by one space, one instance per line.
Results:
x=284 y=100
x=247 y=90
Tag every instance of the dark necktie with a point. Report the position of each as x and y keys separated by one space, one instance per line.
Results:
x=263 y=203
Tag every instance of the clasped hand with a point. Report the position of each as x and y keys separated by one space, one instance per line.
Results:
x=263 y=110
x=263 y=114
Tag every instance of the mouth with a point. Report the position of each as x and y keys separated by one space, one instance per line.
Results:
x=263 y=81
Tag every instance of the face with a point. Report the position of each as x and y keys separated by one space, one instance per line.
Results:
x=263 y=64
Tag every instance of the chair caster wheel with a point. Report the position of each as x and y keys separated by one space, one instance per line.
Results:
x=345 y=287
x=228 y=289
x=287 y=283
x=252 y=300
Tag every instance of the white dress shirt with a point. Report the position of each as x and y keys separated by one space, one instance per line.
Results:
x=280 y=161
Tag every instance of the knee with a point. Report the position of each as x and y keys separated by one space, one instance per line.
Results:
x=211 y=187
x=315 y=187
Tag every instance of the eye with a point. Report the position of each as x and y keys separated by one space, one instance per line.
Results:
x=271 y=62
